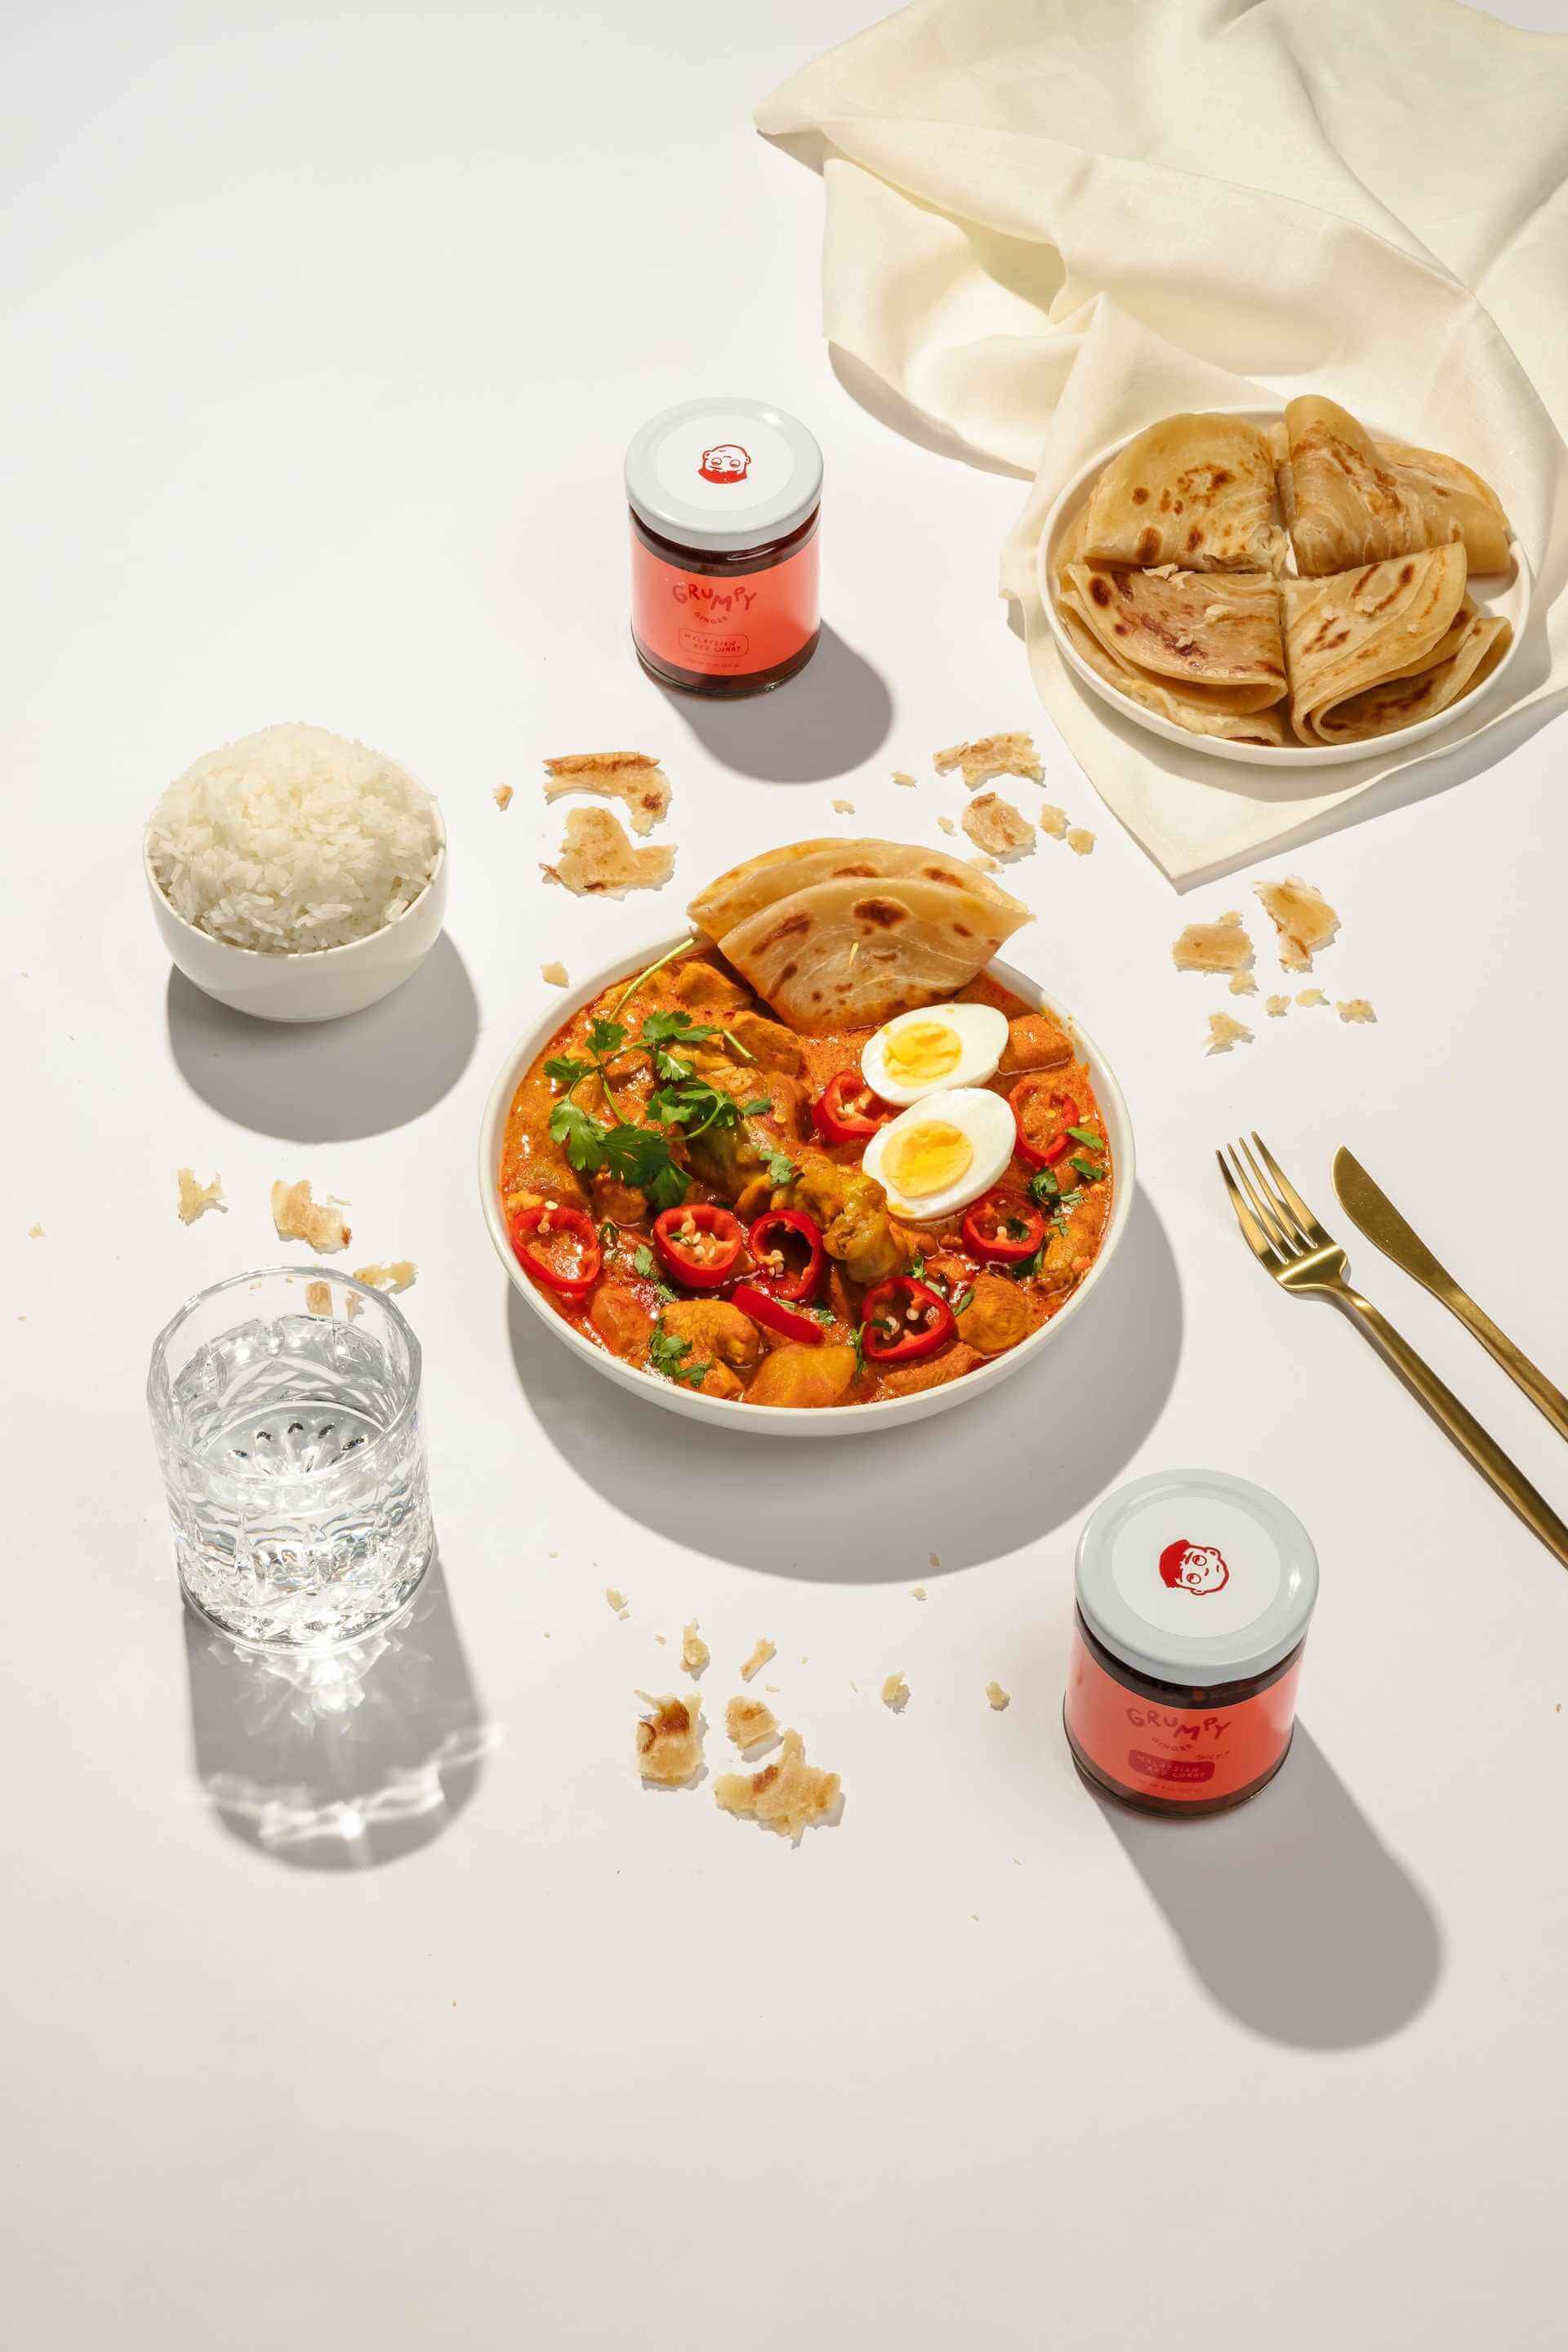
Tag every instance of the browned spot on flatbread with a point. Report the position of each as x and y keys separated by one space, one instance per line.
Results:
x=790 y=929
x=1140 y=497
x=1148 y=546
x=1195 y=536
x=1100 y=590
x=789 y=971
x=880 y=914
x=1406 y=575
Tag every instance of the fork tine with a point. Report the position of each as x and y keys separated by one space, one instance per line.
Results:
x=1298 y=1209
x=1263 y=1207
x=1257 y=1240
x=1294 y=1231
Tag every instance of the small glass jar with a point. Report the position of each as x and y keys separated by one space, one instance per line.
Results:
x=1193 y=1593
x=725 y=498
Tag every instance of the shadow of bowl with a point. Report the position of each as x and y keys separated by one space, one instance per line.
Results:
x=341 y=1760
x=1039 y=1450
x=827 y=721
x=1294 y=1916
x=364 y=1074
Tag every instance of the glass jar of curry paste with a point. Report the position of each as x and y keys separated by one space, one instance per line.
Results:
x=724 y=497
x=1194 y=1594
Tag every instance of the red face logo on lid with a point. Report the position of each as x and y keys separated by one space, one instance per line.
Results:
x=728 y=463
x=1193 y=1568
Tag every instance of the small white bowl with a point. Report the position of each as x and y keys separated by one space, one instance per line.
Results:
x=783 y=1421
x=317 y=984
x=1509 y=594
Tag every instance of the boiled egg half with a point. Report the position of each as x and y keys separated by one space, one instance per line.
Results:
x=943 y=1045
x=942 y=1153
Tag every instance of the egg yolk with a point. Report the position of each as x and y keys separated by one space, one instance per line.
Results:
x=921 y=1051
x=927 y=1157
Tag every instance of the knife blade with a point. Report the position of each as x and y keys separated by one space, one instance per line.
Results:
x=1369 y=1207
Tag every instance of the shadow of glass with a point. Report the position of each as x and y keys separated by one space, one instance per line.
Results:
x=1040 y=1448
x=326 y=1081
x=1293 y=1915
x=827 y=721
x=345 y=1760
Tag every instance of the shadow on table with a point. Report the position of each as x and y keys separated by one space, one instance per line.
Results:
x=825 y=722
x=345 y=1760
x=325 y=1081
x=1293 y=1915
x=1001 y=1473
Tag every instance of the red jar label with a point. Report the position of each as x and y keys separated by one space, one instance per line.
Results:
x=1176 y=1755
x=723 y=627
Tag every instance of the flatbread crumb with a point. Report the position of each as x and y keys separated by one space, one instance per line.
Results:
x=352 y=1304
x=896 y=1694
x=749 y=1722
x=1311 y=996
x=1224 y=1033
x=787 y=1795
x=947 y=825
x=758 y=1659
x=1242 y=983
x=197 y=1199
x=617 y=1601
x=992 y=755
x=318 y=1298
x=1054 y=821
x=1355 y=1008
x=845 y=808
x=631 y=777
x=935 y=1560
x=1080 y=841
x=998 y=1697
x=298 y=1218
x=400 y=1274
x=35 y=1233
x=597 y=860
x=1275 y=1006
x=669 y=1740
x=502 y=796
x=556 y=974
x=995 y=827
x=694 y=1650
x=918 y=1591
x=902 y=776
x=1213 y=947
x=1301 y=915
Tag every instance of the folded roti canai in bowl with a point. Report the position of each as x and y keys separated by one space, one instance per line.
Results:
x=1204 y=649
x=1349 y=500
x=1374 y=649
x=1198 y=490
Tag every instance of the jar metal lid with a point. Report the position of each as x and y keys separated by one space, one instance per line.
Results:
x=723 y=475
x=1194 y=1577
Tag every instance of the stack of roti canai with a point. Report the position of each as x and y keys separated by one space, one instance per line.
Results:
x=837 y=934
x=1307 y=583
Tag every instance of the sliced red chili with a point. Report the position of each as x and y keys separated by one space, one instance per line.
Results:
x=1039 y=1149
x=700 y=1243
x=560 y=1247
x=1004 y=1229
x=766 y=1306
x=847 y=1112
x=904 y=1320
x=791 y=1276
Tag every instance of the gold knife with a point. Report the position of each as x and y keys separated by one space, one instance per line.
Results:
x=1381 y=1222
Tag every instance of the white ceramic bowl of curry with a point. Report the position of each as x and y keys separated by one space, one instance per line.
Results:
x=780 y=1421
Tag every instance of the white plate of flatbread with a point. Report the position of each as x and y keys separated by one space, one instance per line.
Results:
x=1288 y=588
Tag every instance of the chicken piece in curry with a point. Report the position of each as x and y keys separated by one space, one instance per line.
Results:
x=682 y=1182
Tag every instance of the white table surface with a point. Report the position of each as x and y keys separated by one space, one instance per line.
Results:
x=419 y=2021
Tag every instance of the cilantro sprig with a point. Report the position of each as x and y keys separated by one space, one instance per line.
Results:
x=667 y=1355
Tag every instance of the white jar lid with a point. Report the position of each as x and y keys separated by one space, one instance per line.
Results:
x=1197 y=1578
x=722 y=475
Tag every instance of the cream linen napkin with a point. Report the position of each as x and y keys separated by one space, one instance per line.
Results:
x=1050 y=224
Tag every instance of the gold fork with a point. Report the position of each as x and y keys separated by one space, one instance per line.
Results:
x=1286 y=1237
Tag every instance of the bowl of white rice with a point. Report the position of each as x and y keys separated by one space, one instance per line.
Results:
x=297 y=874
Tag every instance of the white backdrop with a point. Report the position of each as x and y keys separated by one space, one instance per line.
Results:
x=420 y=2021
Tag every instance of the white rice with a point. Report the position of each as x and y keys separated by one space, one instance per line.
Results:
x=293 y=840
